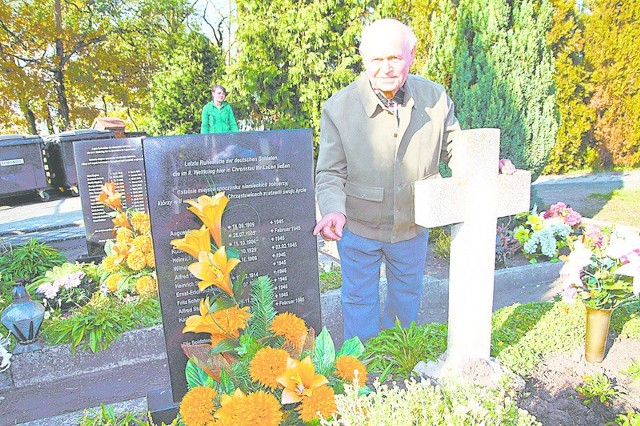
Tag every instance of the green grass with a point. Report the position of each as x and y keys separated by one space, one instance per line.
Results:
x=621 y=207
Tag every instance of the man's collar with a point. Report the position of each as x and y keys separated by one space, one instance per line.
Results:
x=369 y=98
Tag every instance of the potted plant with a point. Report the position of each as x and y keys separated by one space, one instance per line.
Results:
x=603 y=270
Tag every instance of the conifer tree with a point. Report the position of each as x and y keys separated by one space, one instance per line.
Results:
x=573 y=89
x=611 y=50
x=500 y=73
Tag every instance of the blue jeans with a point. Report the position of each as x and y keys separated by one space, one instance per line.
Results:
x=360 y=261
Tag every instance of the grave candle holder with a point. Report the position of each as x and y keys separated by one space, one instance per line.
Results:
x=23 y=318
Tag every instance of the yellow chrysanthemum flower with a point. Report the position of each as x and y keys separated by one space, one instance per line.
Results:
x=196 y=407
x=257 y=408
x=321 y=402
x=108 y=263
x=146 y=285
x=267 y=365
x=112 y=282
x=140 y=222
x=136 y=260
x=142 y=243
x=291 y=327
x=346 y=366
x=123 y=235
x=150 y=259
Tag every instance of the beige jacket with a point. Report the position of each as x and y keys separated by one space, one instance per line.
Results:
x=369 y=159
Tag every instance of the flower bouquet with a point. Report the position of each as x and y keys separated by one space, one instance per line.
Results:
x=545 y=234
x=66 y=286
x=260 y=367
x=603 y=268
x=129 y=266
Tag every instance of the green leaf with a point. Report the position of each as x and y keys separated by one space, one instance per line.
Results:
x=237 y=286
x=225 y=346
x=221 y=303
x=232 y=252
x=196 y=376
x=226 y=384
x=352 y=347
x=324 y=353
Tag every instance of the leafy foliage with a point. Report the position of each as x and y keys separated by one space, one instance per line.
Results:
x=261 y=308
x=183 y=86
x=106 y=415
x=441 y=239
x=96 y=325
x=292 y=56
x=426 y=404
x=597 y=387
x=610 y=37
x=29 y=261
x=398 y=350
x=331 y=279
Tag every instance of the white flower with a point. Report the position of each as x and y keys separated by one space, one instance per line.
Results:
x=50 y=290
x=579 y=257
x=631 y=269
x=5 y=356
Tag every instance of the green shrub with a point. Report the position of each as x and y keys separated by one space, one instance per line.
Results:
x=107 y=416
x=331 y=279
x=398 y=350
x=97 y=324
x=440 y=239
x=29 y=261
x=597 y=387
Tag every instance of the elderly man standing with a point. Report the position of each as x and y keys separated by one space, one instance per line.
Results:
x=378 y=136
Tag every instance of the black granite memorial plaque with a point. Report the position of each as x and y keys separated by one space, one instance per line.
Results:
x=268 y=177
x=99 y=161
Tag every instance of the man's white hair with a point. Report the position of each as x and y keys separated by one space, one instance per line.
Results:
x=379 y=25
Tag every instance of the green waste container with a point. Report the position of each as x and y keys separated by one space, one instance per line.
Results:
x=59 y=150
x=22 y=166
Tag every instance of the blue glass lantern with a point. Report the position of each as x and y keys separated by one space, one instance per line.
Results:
x=23 y=317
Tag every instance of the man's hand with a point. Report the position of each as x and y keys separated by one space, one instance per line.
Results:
x=506 y=167
x=330 y=226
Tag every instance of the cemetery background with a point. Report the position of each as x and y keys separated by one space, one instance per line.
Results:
x=135 y=375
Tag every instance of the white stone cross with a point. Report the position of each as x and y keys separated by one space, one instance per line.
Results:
x=472 y=200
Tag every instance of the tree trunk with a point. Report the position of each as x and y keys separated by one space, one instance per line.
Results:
x=29 y=116
x=58 y=73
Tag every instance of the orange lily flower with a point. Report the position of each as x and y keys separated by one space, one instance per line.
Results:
x=299 y=380
x=121 y=220
x=209 y=210
x=109 y=196
x=194 y=241
x=214 y=269
x=221 y=325
x=120 y=252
